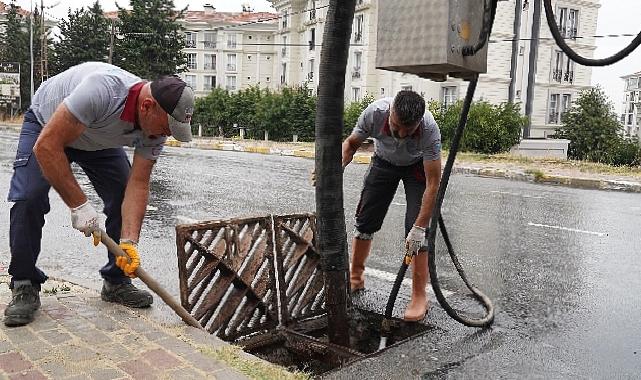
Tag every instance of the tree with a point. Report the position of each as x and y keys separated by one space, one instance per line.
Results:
x=593 y=129
x=212 y=111
x=331 y=235
x=353 y=112
x=151 y=42
x=84 y=36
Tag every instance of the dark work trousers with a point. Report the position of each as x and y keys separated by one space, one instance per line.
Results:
x=108 y=171
x=379 y=188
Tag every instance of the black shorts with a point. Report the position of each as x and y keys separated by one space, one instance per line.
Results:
x=381 y=182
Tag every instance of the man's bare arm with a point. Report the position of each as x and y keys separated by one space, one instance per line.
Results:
x=433 y=177
x=62 y=130
x=350 y=146
x=134 y=205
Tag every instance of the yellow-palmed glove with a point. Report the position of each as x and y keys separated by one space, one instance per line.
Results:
x=131 y=263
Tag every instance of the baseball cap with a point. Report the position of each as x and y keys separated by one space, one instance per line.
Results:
x=177 y=99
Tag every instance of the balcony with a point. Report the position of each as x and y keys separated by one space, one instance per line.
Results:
x=210 y=44
x=230 y=87
x=312 y=14
x=232 y=44
x=283 y=52
x=569 y=32
x=310 y=76
x=553 y=118
x=312 y=45
x=210 y=66
x=356 y=73
x=358 y=37
x=231 y=67
x=569 y=77
x=557 y=75
x=190 y=44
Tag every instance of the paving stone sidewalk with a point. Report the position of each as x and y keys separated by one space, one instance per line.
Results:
x=78 y=336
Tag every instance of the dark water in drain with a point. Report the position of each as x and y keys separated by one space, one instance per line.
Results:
x=364 y=331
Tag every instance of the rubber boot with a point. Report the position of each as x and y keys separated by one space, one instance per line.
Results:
x=360 y=251
x=417 y=308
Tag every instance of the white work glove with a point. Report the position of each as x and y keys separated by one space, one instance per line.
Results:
x=84 y=218
x=415 y=239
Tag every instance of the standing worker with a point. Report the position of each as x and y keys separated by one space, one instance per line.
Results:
x=86 y=115
x=408 y=148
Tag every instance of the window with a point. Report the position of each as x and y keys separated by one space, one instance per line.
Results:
x=285 y=20
x=231 y=62
x=358 y=59
x=190 y=39
x=192 y=60
x=568 y=76
x=566 y=103
x=232 y=39
x=358 y=32
x=382 y=91
x=283 y=74
x=557 y=73
x=310 y=75
x=210 y=82
x=356 y=94
x=231 y=83
x=312 y=9
x=449 y=96
x=568 y=22
x=553 y=115
x=268 y=79
x=312 y=39
x=210 y=62
x=210 y=40
x=406 y=88
x=284 y=48
x=190 y=80
x=249 y=57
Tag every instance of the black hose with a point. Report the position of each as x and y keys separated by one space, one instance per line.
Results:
x=438 y=219
x=489 y=13
x=554 y=28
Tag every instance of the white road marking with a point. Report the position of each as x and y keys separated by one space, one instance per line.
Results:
x=399 y=204
x=516 y=194
x=568 y=229
x=391 y=277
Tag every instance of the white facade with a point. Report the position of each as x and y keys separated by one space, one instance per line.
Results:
x=557 y=79
x=631 y=102
x=229 y=50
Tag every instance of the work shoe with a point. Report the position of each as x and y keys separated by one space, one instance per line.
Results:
x=125 y=294
x=24 y=303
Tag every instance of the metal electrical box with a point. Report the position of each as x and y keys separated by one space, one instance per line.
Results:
x=426 y=37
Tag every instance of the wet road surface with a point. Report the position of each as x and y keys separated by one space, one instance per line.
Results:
x=561 y=265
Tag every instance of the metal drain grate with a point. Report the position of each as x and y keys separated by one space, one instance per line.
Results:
x=227 y=276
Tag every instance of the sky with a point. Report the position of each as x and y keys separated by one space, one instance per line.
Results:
x=615 y=17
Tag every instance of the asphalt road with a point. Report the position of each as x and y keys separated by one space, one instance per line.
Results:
x=561 y=265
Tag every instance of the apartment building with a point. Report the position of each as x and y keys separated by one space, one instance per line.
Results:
x=630 y=116
x=557 y=80
x=231 y=50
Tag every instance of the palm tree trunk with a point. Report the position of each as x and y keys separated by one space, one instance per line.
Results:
x=332 y=239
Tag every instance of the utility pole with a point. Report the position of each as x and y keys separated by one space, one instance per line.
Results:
x=518 y=11
x=31 y=45
x=534 y=55
x=111 y=40
x=44 y=64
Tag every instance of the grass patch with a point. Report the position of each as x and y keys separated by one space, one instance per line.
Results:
x=254 y=369
x=538 y=175
x=56 y=289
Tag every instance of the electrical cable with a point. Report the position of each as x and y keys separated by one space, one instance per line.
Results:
x=554 y=28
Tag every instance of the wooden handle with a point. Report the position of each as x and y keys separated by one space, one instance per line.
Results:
x=152 y=284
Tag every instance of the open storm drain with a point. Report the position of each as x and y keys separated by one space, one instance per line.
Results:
x=257 y=282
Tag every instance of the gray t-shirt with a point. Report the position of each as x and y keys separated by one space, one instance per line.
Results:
x=424 y=144
x=96 y=94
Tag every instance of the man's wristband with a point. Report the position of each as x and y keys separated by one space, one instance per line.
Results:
x=419 y=227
